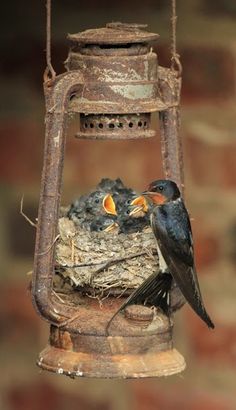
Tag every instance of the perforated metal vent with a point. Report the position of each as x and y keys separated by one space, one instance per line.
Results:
x=115 y=126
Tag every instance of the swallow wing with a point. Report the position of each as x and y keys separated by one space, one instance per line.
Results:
x=154 y=291
x=171 y=227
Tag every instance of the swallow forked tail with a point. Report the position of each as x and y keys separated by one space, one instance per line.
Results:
x=154 y=291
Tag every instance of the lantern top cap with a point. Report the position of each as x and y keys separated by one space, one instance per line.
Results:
x=115 y=33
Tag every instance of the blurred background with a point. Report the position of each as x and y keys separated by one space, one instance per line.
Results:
x=206 y=38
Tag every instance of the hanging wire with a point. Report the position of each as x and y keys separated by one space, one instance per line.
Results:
x=175 y=57
x=49 y=71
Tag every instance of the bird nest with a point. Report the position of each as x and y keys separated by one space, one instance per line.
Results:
x=104 y=262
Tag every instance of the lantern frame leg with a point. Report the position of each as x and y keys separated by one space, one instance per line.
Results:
x=57 y=96
x=171 y=144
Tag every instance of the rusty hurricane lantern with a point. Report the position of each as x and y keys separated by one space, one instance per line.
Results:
x=114 y=83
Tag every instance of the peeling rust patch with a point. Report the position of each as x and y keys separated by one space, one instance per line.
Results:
x=134 y=91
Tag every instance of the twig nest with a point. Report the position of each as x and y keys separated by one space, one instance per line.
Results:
x=104 y=260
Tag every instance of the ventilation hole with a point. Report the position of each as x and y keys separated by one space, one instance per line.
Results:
x=111 y=126
x=145 y=123
x=140 y=123
x=131 y=124
x=100 y=125
x=86 y=125
x=91 y=125
x=120 y=125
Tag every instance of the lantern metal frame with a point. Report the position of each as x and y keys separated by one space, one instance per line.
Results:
x=138 y=345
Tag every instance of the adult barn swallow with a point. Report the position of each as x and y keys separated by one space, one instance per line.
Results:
x=171 y=226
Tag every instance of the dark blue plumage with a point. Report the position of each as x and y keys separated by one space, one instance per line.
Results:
x=171 y=227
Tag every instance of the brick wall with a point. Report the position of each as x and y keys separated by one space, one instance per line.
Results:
x=206 y=39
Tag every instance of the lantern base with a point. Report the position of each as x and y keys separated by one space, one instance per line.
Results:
x=137 y=343
x=74 y=364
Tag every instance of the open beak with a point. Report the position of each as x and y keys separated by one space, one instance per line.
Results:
x=140 y=203
x=111 y=227
x=136 y=210
x=109 y=205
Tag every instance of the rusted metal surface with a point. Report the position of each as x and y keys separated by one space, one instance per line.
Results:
x=171 y=144
x=57 y=94
x=117 y=84
x=139 y=313
x=115 y=34
x=114 y=68
x=85 y=106
x=120 y=77
x=116 y=126
x=132 y=349
x=119 y=366
x=106 y=84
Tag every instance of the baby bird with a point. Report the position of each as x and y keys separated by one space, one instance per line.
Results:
x=104 y=223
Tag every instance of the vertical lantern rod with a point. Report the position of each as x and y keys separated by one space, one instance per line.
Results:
x=171 y=144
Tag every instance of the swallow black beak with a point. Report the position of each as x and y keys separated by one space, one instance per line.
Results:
x=155 y=197
x=147 y=193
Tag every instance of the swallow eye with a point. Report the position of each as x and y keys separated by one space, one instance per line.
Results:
x=161 y=188
x=128 y=202
x=96 y=201
x=127 y=212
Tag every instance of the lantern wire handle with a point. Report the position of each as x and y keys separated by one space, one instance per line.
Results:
x=175 y=57
x=49 y=71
